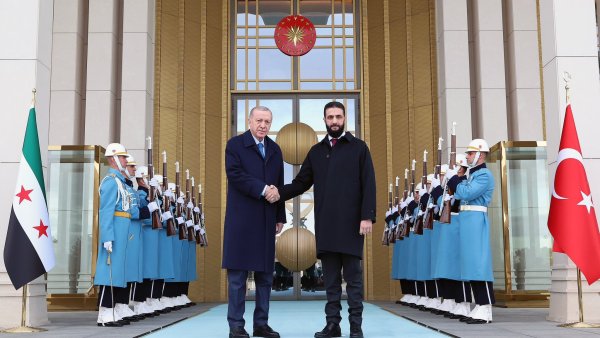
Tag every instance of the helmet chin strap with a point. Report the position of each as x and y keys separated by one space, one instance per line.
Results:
x=475 y=159
x=123 y=171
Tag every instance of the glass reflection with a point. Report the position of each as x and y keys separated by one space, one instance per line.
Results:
x=316 y=64
x=273 y=64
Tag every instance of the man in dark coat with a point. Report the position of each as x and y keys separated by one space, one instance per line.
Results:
x=253 y=163
x=341 y=169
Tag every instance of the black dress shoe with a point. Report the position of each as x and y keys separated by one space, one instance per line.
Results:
x=265 y=331
x=110 y=324
x=477 y=321
x=330 y=330
x=238 y=332
x=465 y=319
x=356 y=332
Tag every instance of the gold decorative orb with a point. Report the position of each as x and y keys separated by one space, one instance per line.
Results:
x=295 y=140
x=296 y=249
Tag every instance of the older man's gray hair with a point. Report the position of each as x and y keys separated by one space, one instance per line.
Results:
x=261 y=108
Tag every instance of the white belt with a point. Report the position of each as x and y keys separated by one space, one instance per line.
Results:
x=473 y=208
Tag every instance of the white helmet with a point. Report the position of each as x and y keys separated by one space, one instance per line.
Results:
x=478 y=145
x=141 y=171
x=443 y=169
x=171 y=186
x=115 y=149
x=159 y=178
x=429 y=178
x=461 y=160
x=131 y=160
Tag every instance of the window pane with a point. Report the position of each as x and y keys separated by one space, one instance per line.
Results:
x=252 y=63
x=275 y=85
x=350 y=115
x=349 y=42
x=241 y=32
x=323 y=31
x=349 y=31
x=240 y=86
x=337 y=10
x=339 y=64
x=241 y=116
x=339 y=41
x=350 y=84
x=349 y=63
x=241 y=42
x=272 y=11
x=323 y=42
x=267 y=42
x=316 y=85
x=316 y=64
x=241 y=13
x=241 y=64
x=282 y=113
x=252 y=42
x=251 y=12
x=266 y=31
x=251 y=85
x=317 y=11
x=273 y=64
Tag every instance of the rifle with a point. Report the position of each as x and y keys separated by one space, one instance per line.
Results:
x=178 y=206
x=156 y=223
x=189 y=211
x=408 y=222
x=201 y=237
x=166 y=201
x=401 y=232
x=428 y=221
x=385 y=240
x=396 y=229
x=445 y=212
x=419 y=222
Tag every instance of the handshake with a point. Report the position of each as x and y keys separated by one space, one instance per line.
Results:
x=272 y=194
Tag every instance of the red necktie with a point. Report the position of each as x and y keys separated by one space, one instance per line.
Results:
x=333 y=142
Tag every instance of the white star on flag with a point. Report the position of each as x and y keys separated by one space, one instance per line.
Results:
x=587 y=201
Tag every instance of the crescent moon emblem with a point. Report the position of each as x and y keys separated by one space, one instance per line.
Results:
x=566 y=154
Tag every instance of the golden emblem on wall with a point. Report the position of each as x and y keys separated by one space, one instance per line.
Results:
x=295 y=35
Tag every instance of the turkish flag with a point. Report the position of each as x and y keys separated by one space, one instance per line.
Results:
x=572 y=217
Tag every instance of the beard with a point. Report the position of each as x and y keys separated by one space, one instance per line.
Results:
x=335 y=133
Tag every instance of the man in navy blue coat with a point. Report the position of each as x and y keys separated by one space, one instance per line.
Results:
x=253 y=163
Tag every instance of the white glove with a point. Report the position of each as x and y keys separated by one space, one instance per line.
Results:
x=196 y=209
x=189 y=223
x=180 y=200
x=408 y=200
x=402 y=205
x=168 y=193
x=388 y=212
x=166 y=215
x=450 y=173
x=154 y=183
x=430 y=205
x=190 y=205
x=435 y=182
x=108 y=246
x=180 y=220
x=421 y=213
x=202 y=216
x=202 y=231
x=196 y=227
x=152 y=206
x=395 y=209
x=422 y=192
x=448 y=197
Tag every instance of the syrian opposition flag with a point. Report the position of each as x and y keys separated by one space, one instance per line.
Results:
x=572 y=216
x=28 y=251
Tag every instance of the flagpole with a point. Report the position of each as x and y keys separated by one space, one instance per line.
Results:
x=580 y=324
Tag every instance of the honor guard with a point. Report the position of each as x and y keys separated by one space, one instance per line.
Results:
x=475 y=194
x=114 y=221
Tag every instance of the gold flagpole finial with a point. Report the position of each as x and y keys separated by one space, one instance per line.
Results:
x=567 y=78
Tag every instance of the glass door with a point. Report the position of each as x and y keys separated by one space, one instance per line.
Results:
x=294 y=108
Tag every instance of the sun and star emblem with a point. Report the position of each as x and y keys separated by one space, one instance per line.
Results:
x=295 y=35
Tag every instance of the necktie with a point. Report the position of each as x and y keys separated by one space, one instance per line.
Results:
x=261 y=148
x=333 y=142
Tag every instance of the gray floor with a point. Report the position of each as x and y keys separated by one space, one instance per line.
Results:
x=507 y=323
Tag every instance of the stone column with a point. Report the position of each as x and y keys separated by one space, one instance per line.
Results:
x=137 y=76
x=69 y=37
x=25 y=63
x=454 y=93
x=521 y=34
x=569 y=43
x=101 y=122
x=490 y=80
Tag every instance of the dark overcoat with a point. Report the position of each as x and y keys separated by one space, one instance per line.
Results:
x=344 y=188
x=249 y=232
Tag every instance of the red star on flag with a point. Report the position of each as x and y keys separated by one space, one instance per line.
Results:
x=24 y=195
x=41 y=229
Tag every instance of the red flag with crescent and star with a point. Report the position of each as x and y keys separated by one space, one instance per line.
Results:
x=572 y=217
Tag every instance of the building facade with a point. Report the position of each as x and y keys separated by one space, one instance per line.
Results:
x=186 y=73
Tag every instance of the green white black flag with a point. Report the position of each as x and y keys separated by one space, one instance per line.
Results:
x=28 y=251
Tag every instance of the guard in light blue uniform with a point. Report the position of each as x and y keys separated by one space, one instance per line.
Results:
x=475 y=194
x=114 y=221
